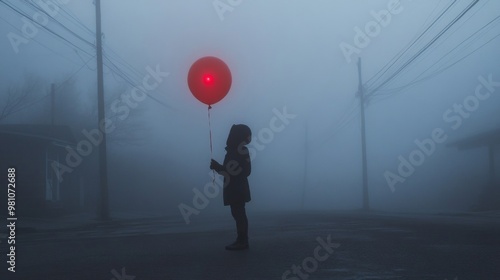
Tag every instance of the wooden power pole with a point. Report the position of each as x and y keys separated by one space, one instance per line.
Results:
x=366 y=201
x=103 y=170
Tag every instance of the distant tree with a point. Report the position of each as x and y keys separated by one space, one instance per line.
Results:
x=17 y=98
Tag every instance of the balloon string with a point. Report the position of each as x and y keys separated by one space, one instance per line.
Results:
x=210 y=137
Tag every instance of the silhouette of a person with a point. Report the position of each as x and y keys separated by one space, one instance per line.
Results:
x=236 y=192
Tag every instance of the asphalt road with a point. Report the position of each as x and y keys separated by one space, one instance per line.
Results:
x=294 y=246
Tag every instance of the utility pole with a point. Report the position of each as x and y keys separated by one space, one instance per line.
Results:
x=366 y=203
x=52 y=103
x=103 y=172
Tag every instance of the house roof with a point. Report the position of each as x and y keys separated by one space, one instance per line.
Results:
x=57 y=133
x=487 y=138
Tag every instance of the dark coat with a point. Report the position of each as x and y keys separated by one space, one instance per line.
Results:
x=236 y=166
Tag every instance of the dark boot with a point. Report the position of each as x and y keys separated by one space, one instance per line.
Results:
x=241 y=243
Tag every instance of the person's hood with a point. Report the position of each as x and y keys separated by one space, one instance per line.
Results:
x=238 y=134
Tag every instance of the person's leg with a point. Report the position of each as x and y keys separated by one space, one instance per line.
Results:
x=239 y=214
x=235 y=212
x=241 y=222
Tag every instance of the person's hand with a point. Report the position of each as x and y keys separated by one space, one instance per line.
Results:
x=215 y=165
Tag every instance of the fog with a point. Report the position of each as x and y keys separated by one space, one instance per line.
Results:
x=291 y=69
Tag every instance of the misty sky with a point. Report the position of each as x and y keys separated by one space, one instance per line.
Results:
x=285 y=53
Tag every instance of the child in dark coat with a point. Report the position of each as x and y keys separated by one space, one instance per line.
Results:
x=235 y=169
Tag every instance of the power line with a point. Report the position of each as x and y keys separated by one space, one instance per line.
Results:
x=352 y=116
x=120 y=60
x=38 y=9
x=440 y=70
x=41 y=44
x=116 y=69
x=449 y=34
x=425 y=47
x=469 y=38
x=77 y=21
x=391 y=63
x=398 y=56
x=443 y=69
x=44 y=27
x=128 y=80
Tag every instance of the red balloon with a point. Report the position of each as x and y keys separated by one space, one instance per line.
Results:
x=209 y=79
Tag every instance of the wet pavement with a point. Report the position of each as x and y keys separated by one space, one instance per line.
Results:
x=312 y=245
